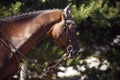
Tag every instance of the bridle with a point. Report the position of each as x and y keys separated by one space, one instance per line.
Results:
x=67 y=30
x=6 y=42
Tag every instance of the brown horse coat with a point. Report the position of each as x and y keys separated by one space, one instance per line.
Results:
x=25 y=31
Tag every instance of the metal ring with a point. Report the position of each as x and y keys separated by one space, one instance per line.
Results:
x=70 y=48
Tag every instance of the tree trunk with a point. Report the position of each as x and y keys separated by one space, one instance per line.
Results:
x=24 y=70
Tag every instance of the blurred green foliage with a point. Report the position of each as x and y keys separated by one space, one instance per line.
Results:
x=98 y=26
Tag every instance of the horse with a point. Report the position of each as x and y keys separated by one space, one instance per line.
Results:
x=21 y=32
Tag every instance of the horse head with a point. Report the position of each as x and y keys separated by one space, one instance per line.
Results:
x=64 y=33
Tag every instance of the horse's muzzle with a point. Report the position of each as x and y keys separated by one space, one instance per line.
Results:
x=74 y=53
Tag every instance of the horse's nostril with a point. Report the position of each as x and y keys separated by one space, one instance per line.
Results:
x=77 y=52
x=82 y=49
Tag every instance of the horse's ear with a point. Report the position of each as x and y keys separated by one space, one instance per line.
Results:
x=67 y=10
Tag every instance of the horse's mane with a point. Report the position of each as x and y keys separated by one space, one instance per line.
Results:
x=26 y=15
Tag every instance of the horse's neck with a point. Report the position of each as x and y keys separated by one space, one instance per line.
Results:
x=30 y=32
x=40 y=25
x=35 y=31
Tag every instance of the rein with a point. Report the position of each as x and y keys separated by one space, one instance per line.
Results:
x=7 y=43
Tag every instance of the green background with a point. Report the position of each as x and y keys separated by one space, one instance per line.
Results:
x=98 y=26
